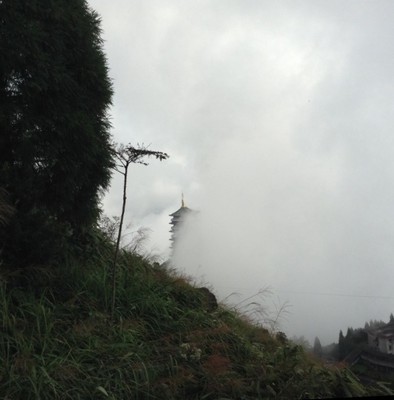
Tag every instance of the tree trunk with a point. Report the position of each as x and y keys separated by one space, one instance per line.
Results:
x=114 y=266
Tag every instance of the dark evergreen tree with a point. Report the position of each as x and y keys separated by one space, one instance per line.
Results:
x=55 y=153
x=354 y=339
x=341 y=345
x=349 y=333
x=317 y=347
x=391 y=318
x=376 y=324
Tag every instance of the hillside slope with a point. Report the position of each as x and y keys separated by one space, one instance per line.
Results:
x=166 y=340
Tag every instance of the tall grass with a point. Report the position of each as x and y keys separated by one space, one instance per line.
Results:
x=59 y=341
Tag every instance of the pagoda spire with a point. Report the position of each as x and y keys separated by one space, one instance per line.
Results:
x=183 y=201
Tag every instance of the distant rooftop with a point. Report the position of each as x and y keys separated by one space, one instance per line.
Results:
x=387 y=330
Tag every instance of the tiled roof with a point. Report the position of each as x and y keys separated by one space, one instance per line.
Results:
x=386 y=331
x=180 y=212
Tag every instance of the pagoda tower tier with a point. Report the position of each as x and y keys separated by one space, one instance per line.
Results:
x=177 y=219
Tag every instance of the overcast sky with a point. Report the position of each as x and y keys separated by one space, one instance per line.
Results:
x=278 y=118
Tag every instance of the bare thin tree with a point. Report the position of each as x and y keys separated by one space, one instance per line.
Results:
x=126 y=155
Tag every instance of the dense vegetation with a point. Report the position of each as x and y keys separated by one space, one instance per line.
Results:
x=355 y=339
x=55 y=156
x=164 y=341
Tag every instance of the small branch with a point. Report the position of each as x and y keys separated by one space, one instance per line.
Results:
x=118 y=170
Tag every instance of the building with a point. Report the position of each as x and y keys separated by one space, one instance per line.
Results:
x=177 y=220
x=382 y=339
x=378 y=354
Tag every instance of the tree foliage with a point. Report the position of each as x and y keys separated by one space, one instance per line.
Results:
x=317 y=347
x=301 y=341
x=55 y=153
x=6 y=210
x=354 y=339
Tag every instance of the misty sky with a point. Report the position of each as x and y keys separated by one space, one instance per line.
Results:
x=278 y=118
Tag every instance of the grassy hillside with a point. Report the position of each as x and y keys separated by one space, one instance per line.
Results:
x=58 y=340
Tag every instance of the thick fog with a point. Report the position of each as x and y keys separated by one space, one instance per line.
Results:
x=278 y=119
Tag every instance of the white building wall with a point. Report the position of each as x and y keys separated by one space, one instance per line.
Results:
x=386 y=346
x=382 y=345
x=390 y=346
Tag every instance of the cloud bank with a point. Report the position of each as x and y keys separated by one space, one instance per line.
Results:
x=277 y=118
